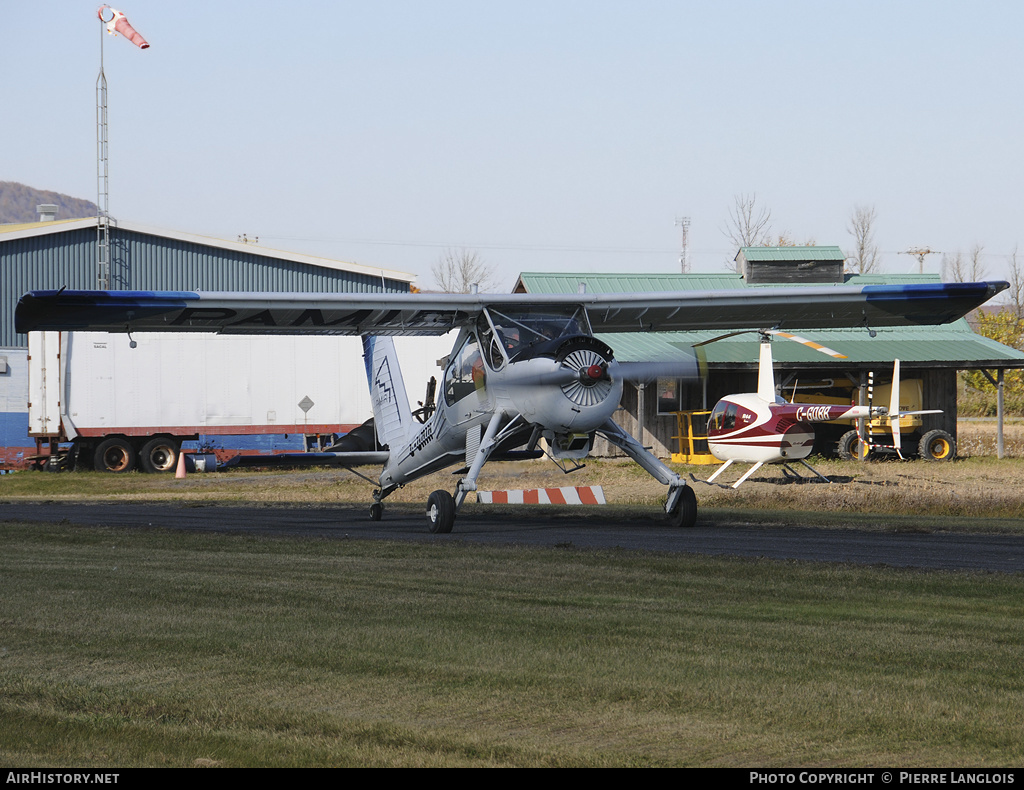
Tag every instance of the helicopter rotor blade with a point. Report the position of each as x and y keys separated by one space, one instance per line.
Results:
x=776 y=333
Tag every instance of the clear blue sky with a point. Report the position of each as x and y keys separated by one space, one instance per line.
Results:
x=546 y=135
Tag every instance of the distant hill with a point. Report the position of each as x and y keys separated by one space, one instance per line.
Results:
x=18 y=204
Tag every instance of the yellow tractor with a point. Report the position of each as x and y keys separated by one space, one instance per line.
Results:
x=842 y=438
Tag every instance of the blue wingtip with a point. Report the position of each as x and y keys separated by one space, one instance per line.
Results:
x=68 y=310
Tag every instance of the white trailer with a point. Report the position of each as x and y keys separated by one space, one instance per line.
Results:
x=124 y=402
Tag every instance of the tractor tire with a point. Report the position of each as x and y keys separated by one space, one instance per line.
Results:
x=937 y=446
x=850 y=448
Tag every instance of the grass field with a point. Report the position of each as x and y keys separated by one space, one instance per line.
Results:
x=151 y=648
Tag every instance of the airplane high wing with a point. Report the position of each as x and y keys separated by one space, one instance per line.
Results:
x=524 y=367
x=828 y=307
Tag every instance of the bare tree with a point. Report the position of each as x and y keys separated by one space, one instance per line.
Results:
x=786 y=239
x=749 y=225
x=1016 y=284
x=457 y=271
x=977 y=271
x=953 y=266
x=965 y=270
x=864 y=259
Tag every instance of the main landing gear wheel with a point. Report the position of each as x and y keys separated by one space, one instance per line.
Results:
x=685 y=514
x=937 y=446
x=441 y=512
x=376 y=511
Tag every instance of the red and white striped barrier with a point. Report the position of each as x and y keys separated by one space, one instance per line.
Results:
x=573 y=495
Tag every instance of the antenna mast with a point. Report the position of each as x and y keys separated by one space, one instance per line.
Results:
x=102 y=186
x=684 y=251
x=114 y=25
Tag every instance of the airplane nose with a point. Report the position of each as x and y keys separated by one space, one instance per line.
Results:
x=591 y=375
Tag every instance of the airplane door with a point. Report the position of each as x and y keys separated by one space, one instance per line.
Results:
x=465 y=382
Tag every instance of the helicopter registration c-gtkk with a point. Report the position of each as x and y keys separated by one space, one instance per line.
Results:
x=524 y=367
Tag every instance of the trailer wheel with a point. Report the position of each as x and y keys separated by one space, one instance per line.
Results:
x=114 y=455
x=159 y=455
x=937 y=446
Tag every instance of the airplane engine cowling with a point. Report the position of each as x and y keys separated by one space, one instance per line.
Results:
x=573 y=390
x=588 y=358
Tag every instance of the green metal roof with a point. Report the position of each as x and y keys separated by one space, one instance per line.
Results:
x=949 y=345
x=791 y=254
x=561 y=283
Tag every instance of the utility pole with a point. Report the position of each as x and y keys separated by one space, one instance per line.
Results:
x=919 y=253
x=684 y=251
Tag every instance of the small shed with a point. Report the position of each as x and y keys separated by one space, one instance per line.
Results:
x=790 y=265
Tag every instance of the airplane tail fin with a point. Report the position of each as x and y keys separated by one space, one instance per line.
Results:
x=391 y=413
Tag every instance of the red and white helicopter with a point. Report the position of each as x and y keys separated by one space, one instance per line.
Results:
x=523 y=367
x=762 y=428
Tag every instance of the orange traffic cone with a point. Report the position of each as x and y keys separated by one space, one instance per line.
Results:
x=179 y=473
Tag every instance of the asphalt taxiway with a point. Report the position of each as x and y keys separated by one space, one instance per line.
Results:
x=560 y=528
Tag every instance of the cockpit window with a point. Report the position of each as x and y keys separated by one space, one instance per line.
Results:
x=465 y=374
x=723 y=418
x=524 y=326
x=491 y=343
x=715 y=421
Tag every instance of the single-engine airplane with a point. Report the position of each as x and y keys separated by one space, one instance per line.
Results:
x=762 y=428
x=523 y=366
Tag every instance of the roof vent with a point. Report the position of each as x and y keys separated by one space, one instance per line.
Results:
x=47 y=212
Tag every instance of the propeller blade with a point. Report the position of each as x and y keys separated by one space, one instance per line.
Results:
x=690 y=369
x=557 y=377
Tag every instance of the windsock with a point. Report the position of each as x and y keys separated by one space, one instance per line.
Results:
x=118 y=23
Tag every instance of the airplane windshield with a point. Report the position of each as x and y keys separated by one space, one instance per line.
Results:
x=525 y=326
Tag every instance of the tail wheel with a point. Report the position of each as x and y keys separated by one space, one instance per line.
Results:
x=685 y=513
x=159 y=455
x=441 y=512
x=114 y=455
x=937 y=446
